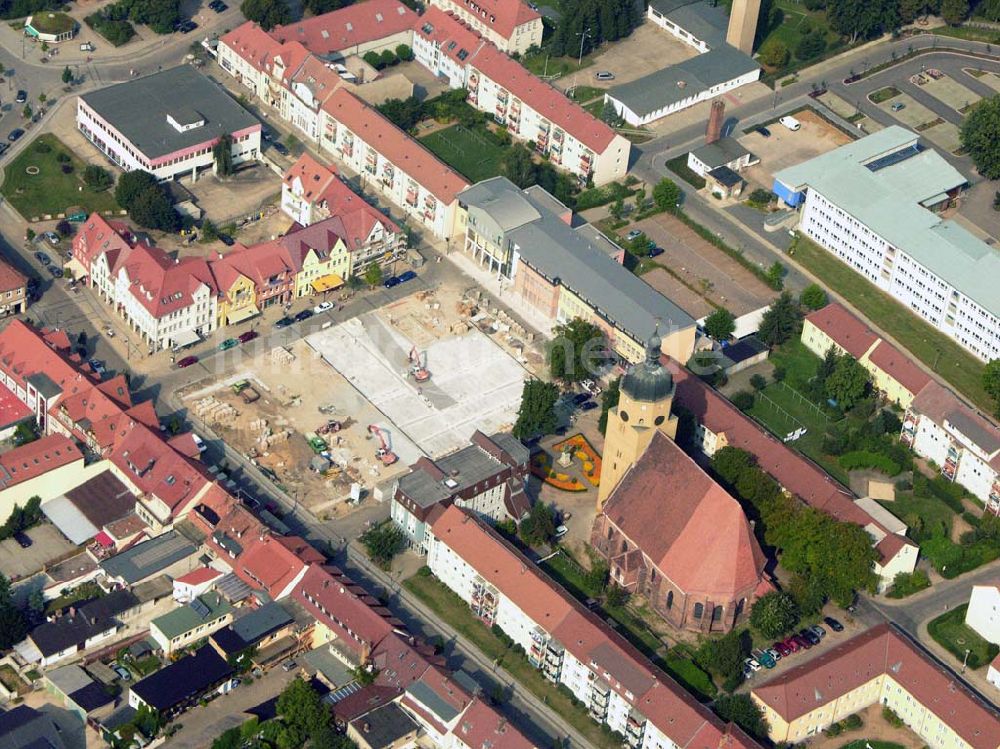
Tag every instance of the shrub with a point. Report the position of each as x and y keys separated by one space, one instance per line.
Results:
x=42 y=147
x=97 y=178
x=758 y=382
x=743 y=400
x=865 y=459
x=852 y=722
x=62 y=157
x=67 y=168
x=891 y=718
x=834 y=729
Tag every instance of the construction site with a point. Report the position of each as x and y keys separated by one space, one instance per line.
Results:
x=345 y=410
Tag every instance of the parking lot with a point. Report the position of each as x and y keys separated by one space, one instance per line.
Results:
x=706 y=271
x=946 y=89
x=786 y=148
x=48 y=545
x=919 y=118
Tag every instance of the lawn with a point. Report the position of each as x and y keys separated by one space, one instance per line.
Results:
x=679 y=166
x=950 y=632
x=50 y=190
x=933 y=513
x=797 y=20
x=476 y=155
x=586 y=93
x=545 y=66
x=883 y=94
x=456 y=613
x=939 y=352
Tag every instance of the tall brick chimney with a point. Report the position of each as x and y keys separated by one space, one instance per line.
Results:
x=715 y=119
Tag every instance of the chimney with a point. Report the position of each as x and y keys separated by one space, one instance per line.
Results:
x=715 y=119
x=366 y=727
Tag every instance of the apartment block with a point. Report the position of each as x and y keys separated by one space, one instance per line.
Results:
x=511 y=25
x=875 y=204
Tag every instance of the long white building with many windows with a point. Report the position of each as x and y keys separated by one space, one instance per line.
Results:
x=875 y=204
x=570 y=645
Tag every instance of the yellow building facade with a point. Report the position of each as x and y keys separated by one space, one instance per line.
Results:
x=238 y=302
x=320 y=274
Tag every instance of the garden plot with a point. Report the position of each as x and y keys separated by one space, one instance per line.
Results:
x=474 y=383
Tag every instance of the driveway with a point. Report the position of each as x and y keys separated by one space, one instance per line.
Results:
x=49 y=545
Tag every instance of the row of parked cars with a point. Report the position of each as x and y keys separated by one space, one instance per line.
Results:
x=804 y=640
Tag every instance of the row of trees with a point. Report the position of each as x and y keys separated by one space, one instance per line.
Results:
x=387 y=57
x=587 y=24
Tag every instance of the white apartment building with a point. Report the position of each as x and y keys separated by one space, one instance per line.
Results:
x=983 y=614
x=511 y=25
x=874 y=204
x=359 y=136
x=568 y=644
x=963 y=443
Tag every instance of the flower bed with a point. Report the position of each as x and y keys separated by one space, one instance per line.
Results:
x=587 y=462
x=541 y=466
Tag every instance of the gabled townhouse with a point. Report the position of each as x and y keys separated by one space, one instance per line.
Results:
x=570 y=645
x=371 y=26
x=391 y=162
x=511 y=26
x=320 y=255
x=532 y=111
x=487 y=477
x=42 y=468
x=311 y=192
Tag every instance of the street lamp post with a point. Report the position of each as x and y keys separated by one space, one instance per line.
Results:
x=583 y=36
x=965 y=660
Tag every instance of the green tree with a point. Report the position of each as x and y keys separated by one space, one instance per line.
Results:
x=991 y=384
x=153 y=209
x=26 y=112
x=610 y=115
x=13 y=625
x=209 y=231
x=131 y=185
x=403 y=113
x=577 y=351
x=67 y=75
x=720 y=324
x=862 y=19
x=724 y=655
x=222 y=155
x=848 y=383
x=743 y=400
x=667 y=195
x=609 y=399
x=539 y=526
x=537 y=413
x=813 y=297
x=758 y=382
x=302 y=711
x=97 y=177
x=518 y=166
x=775 y=275
x=383 y=543
x=774 y=53
x=781 y=321
x=774 y=614
x=373 y=58
x=388 y=58
x=980 y=136
x=810 y=46
x=954 y=11
x=267 y=13
x=373 y=275
x=404 y=52
x=744 y=712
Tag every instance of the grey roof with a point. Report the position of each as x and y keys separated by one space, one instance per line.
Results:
x=139 y=109
x=69 y=520
x=232 y=588
x=458 y=471
x=68 y=679
x=384 y=726
x=974 y=428
x=649 y=381
x=684 y=80
x=24 y=727
x=148 y=558
x=261 y=622
x=720 y=153
x=183 y=680
x=557 y=251
x=102 y=499
x=90 y=619
x=334 y=670
x=699 y=18
x=889 y=199
x=428 y=697
x=44 y=385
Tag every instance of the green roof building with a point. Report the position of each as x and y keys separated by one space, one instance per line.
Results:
x=179 y=628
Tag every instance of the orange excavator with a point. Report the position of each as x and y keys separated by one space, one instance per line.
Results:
x=417 y=367
x=383 y=453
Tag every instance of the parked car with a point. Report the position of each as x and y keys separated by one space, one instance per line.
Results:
x=3 y=148
x=818 y=631
x=323 y=307
x=228 y=344
x=97 y=366
x=390 y=282
x=561 y=531
x=633 y=235
x=405 y=276
x=790 y=122
x=589 y=406
x=22 y=96
x=280 y=147
x=897 y=106
x=833 y=624
x=752 y=664
x=43 y=258
x=804 y=644
x=604 y=75
x=248 y=336
x=782 y=648
x=809 y=635
x=55 y=270
x=303 y=315
x=284 y=322
x=23 y=539
x=123 y=673
x=187 y=361
x=655 y=251
x=52 y=238
x=185 y=27
x=15 y=134
x=774 y=653
x=227 y=240
x=764 y=131
x=591 y=387
x=580 y=398
x=288 y=666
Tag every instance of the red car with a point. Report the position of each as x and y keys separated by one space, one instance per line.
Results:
x=792 y=645
x=783 y=649
x=187 y=361
x=804 y=644
x=248 y=336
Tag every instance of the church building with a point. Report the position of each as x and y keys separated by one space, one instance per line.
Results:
x=668 y=531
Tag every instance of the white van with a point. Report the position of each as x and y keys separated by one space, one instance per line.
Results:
x=790 y=122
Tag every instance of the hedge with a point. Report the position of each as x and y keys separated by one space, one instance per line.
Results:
x=865 y=459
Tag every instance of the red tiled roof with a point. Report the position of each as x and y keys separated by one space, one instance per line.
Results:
x=583 y=634
x=348 y=27
x=899 y=367
x=272 y=562
x=35 y=458
x=314 y=177
x=199 y=576
x=351 y=217
x=11 y=279
x=161 y=284
x=503 y=16
x=690 y=527
x=844 y=329
x=481 y=727
x=395 y=145
x=883 y=650
x=154 y=468
x=890 y=546
x=449 y=34
x=548 y=101
x=12 y=408
x=98 y=235
x=252 y=43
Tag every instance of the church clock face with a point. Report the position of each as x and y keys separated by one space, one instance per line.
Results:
x=658 y=420
x=623 y=415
